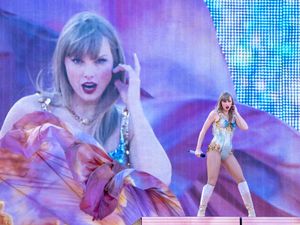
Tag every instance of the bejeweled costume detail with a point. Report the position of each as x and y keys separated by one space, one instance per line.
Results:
x=223 y=133
x=121 y=153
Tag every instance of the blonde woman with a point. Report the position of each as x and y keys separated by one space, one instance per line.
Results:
x=224 y=119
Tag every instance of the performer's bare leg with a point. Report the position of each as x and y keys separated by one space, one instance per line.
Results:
x=213 y=169
x=235 y=170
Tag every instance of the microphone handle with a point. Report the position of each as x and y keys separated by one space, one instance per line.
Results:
x=194 y=153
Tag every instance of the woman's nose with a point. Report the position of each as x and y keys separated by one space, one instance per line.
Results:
x=89 y=72
x=88 y=76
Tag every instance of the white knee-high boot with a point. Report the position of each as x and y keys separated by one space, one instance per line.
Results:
x=246 y=196
x=205 y=196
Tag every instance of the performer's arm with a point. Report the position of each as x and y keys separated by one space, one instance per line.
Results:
x=210 y=119
x=146 y=153
x=240 y=121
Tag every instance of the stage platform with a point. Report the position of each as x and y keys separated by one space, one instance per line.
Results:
x=218 y=221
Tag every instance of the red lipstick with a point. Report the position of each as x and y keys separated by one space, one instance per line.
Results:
x=89 y=87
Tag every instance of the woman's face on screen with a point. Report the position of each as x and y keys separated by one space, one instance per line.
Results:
x=89 y=76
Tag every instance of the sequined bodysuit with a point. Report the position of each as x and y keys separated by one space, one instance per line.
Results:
x=223 y=132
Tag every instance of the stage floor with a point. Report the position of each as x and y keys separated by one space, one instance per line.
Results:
x=218 y=221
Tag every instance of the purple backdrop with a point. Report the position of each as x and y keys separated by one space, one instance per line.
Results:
x=184 y=69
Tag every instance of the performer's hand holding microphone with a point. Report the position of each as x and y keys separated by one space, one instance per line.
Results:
x=197 y=153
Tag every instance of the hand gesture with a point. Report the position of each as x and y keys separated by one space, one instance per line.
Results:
x=130 y=93
x=199 y=153
x=235 y=110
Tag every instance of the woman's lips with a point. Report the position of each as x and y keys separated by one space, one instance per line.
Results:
x=89 y=87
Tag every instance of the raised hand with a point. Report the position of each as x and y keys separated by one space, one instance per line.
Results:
x=235 y=110
x=130 y=93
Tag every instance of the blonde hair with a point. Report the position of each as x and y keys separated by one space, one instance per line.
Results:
x=224 y=97
x=83 y=34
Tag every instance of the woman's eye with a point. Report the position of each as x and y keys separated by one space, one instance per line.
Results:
x=76 y=60
x=101 y=60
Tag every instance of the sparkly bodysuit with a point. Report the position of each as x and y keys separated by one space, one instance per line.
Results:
x=121 y=153
x=223 y=133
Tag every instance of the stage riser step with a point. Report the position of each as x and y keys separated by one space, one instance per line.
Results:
x=218 y=221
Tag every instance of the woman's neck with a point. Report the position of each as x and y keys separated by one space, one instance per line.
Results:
x=84 y=109
x=224 y=112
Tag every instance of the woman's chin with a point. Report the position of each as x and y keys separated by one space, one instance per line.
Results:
x=87 y=98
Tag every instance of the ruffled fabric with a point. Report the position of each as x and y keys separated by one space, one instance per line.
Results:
x=47 y=176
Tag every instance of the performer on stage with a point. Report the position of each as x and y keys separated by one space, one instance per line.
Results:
x=69 y=155
x=224 y=118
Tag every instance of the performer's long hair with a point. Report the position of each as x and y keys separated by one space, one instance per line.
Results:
x=224 y=97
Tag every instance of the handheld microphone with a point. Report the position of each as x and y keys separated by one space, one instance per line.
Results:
x=202 y=155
